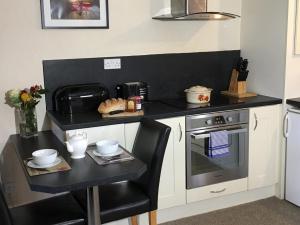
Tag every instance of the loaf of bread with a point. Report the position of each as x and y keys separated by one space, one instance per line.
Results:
x=111 y=105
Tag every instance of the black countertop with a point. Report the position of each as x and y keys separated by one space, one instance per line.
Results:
x=294 y=102
x=84 y=173
x=161 y=109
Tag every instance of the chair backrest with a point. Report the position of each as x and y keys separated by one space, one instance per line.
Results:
x=149 y=146
x=5 y=218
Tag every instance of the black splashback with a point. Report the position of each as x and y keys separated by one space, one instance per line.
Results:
x=167 y=74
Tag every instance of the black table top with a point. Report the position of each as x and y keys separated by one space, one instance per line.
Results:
x=294 y=102
x=84 y=173
x=161 y=109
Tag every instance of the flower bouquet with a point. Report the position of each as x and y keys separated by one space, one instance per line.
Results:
x=24 y=101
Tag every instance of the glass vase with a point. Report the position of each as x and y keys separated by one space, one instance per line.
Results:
x=27 y=120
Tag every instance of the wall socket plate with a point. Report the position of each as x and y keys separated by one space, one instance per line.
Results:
x=112 y=64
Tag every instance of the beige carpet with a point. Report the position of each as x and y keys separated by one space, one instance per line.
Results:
x=270 y=211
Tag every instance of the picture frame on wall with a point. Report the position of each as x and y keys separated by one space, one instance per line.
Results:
x=297 y=30
x=74 y=14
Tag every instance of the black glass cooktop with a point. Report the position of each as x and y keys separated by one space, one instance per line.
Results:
x=216 y=101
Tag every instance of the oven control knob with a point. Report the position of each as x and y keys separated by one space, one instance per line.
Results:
x=229 y=119
x=209 y=122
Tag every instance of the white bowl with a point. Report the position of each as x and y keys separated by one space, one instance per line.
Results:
x=107 y=147
x=44 y=156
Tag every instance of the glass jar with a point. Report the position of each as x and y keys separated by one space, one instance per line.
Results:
x=131 y=105
x=134 y=104
x=27 y=121
x=138 y=103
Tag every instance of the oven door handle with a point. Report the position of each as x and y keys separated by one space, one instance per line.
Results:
x=207 y=135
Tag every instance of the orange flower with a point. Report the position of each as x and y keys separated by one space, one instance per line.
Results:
x=25 y=97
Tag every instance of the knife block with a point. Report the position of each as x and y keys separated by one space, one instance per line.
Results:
x=237 y=88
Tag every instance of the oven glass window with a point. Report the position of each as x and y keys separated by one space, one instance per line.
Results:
x=202 y=160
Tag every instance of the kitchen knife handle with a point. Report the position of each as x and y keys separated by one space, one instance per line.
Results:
x=239 y=64
x=286 y=125
x=256 y=121
x=180 y=130
x=245 y=64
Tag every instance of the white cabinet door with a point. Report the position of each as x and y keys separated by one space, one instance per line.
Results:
x=115 y=132
x=172 y=190
x=130 y=133
x=264 y=146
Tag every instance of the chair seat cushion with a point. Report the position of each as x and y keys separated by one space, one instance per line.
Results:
x=58 y=210
x=118 y=201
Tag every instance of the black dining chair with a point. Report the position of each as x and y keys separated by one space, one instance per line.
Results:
x=131 y=198
x=58 y=210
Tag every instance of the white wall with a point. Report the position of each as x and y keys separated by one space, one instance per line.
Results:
x=23 y=44
x=292 y=83
x=263 y=42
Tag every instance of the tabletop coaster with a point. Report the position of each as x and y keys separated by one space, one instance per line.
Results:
x=63 y=166
x=125 y=156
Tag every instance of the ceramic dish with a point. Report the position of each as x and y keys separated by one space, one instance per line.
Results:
x=118 y=152
x=44 y=157
x=198 y=95
x=107 y=147
x=31 y=164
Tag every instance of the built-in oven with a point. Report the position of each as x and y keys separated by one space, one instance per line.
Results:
x=204 y=168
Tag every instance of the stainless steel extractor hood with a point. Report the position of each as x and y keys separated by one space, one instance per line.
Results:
x=193 y=10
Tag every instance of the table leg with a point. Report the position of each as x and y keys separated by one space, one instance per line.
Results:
x=93 y=206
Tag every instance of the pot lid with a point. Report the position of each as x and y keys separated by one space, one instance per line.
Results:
x=198 y=88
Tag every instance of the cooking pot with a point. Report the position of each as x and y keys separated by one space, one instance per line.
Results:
x=198 y=94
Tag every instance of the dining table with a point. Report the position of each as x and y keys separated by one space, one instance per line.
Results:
x=85 y=173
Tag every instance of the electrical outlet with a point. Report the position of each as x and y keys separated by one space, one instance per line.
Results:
x=112 y=64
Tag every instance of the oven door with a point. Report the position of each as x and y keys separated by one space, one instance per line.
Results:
x=204 y=170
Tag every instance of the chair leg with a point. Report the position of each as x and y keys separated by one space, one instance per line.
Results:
x=134 y=220
x=152 y=218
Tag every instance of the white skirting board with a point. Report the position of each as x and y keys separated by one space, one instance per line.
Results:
x=205 y=206
x=215 y=204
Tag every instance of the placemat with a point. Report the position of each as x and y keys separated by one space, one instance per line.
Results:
x=125 y=156
x=63 y=166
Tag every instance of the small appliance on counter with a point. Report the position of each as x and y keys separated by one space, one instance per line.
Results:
x=130 y=89
x=79 y=98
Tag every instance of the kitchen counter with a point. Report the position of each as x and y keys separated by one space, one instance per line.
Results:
x=294 y=102
x=159 y=110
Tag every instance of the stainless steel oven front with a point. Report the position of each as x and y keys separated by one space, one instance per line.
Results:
x=201 y=168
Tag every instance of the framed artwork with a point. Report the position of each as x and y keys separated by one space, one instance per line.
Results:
x=74 y=14
x=297 y=35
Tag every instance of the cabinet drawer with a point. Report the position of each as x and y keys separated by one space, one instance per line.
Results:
x=216 y=190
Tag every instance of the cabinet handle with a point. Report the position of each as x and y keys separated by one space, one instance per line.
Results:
x=180 y=130
x=217 y=192
x=256 y=121
x=286 y=125
x=86 y=96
